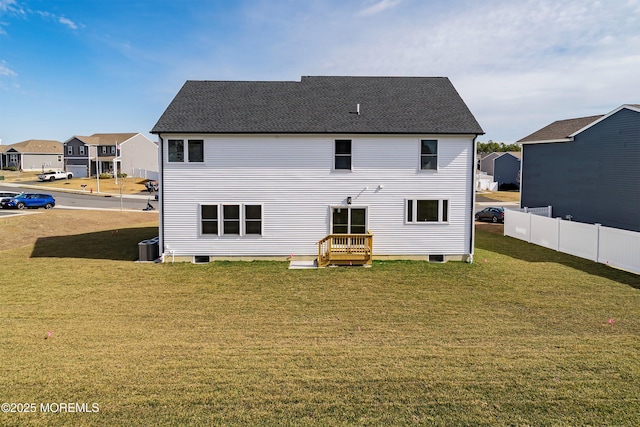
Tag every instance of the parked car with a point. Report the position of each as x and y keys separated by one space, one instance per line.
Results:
x=493 y=214
x=7 y=194
x=4 y=194
x=27 y=200
x=53 y=175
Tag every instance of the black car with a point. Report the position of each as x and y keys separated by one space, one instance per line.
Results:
x=493 y=214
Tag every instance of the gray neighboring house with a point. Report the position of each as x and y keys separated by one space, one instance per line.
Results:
x=503 y=166
x=587 y=168
x=33 y=155
x=506 y=169
x=130 y=153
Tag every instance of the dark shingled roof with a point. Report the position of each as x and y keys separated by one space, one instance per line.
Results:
x=320 y=105
x=560 y=129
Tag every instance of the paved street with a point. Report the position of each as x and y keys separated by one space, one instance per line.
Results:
x=75 y=200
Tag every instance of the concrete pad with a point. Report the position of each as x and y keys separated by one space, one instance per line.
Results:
x=300 y=265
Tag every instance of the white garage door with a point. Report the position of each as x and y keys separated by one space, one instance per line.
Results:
x=78 y=171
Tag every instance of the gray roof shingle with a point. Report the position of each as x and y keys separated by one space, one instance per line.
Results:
x=320 y=105
x=560 y=129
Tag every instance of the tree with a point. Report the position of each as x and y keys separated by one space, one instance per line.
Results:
x=498 y=147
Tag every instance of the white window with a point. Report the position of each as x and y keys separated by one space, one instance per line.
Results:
x=69 y=150
x=176 y=150
x=81 y=150
x=231 y=219
x=342 y=154
x=429 y=154
x=194 y=150
x=348 y=220
x=209 y=219
x=427 y=211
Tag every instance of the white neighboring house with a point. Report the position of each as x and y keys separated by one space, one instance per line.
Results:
x=268 y=169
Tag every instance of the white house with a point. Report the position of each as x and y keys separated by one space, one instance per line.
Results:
x=268 y=169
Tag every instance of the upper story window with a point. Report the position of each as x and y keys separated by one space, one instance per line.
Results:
x=69 y=150
x=81 y=150
x=429 y=154
x=342 y=154
x=176 y=150
x=194 y=150
x=103 y=149
x=421 y=211
x=113 y=149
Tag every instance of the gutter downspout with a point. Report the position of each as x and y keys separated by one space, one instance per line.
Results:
x=161 y=197
x=473 y=199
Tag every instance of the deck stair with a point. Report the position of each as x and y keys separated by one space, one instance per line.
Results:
x=345 y=249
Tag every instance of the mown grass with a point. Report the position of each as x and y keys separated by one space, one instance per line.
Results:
x=128 y=185
x=501 y=196
x=521 y=337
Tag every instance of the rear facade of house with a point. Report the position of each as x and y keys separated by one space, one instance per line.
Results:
x=268 y=169
x=591 y=174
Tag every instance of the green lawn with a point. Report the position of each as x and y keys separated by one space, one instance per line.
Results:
x=522 y=336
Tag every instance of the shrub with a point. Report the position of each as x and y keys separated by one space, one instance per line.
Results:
x=122 y=175
x=105 y=176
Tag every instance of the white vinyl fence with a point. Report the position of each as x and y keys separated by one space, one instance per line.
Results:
x=544 y=211
x=611 y=246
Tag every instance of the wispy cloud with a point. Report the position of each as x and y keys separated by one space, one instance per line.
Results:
x=11 y=8
x=6 y=5
x=68 y=22
x=379 y=7
x=57 y=18
x=6 y=71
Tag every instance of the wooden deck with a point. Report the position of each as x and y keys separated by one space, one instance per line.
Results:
x=345 y=249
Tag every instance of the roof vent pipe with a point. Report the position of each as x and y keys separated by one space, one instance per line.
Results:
x=358 y=109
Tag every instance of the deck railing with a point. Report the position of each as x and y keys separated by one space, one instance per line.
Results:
x=345 y=249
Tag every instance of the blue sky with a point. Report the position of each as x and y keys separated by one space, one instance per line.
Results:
x=78 y=67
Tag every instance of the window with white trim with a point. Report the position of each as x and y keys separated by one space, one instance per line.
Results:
x=420 y=211
x=253 y=219
x=81 y=150
x=209 y=219
x=348 y=220
x=231 y=219
x=175 y=150
x=342 y=154
x=429 y=154
x=193 y=150
x=69 y=150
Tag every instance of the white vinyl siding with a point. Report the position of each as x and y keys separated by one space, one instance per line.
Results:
x=293 y=178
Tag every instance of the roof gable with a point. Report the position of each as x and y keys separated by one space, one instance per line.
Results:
x=565 y=130
x=559 y=130
x=36 y=146
x=320 y=105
